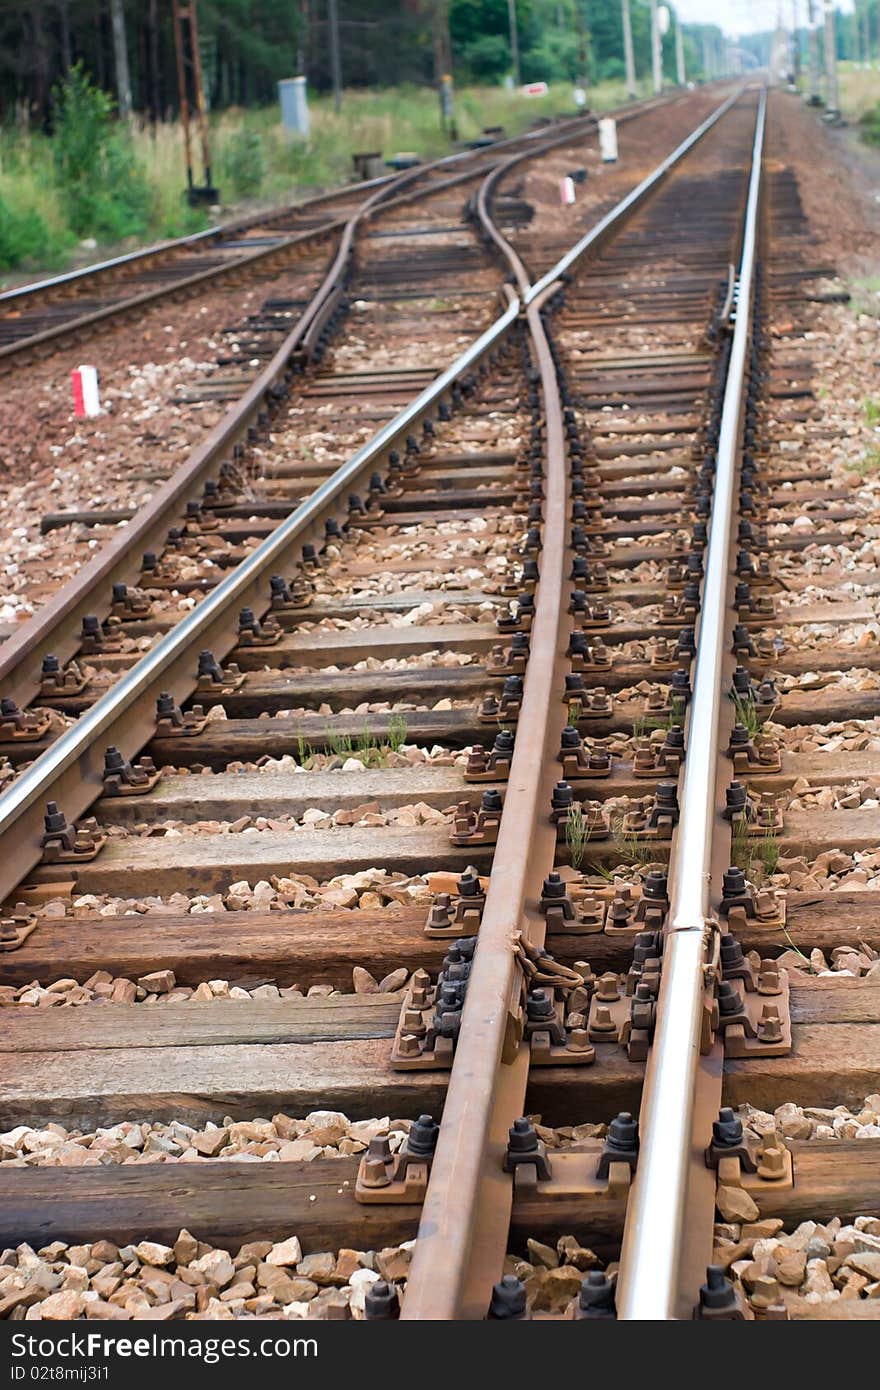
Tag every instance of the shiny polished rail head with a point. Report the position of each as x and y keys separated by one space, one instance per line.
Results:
x=657 y=1211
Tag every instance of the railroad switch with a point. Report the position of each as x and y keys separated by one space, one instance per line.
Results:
x=22 y=726
x=171 y=722
x=385 y=1177
x=58 y=684
x=122 y=778
x=129 y=604
x=64 y=843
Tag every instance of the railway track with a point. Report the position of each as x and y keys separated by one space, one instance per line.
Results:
x=502 y=724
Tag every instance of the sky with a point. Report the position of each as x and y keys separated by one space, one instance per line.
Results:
x=748 y=16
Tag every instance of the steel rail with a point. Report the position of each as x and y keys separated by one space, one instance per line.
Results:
x=657 y=1209
x=454 y=1265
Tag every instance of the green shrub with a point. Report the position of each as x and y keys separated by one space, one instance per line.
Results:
x=105 y=190
x=487 y=57
x=244 y=163
x=23 y=236
x=870 y=126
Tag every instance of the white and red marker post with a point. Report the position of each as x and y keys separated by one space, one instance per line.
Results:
x=86 y=398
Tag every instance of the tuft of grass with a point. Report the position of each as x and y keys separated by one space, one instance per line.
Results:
x=768 y=853
x=632 y=850
x=645 y=724
x=757 y=857
x=747 y=714
x=340 y=745
x=577 y=835
x=396 y=732
x=871 y=412
x=740 y=846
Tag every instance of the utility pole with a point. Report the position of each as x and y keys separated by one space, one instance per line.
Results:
x=707 y=57
x=335 y=59
x=628 y=55
x=832 y=101
x=679 y=52
x=514 y=42
x=120 y=54
x=656 y=51
x=795 y=47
